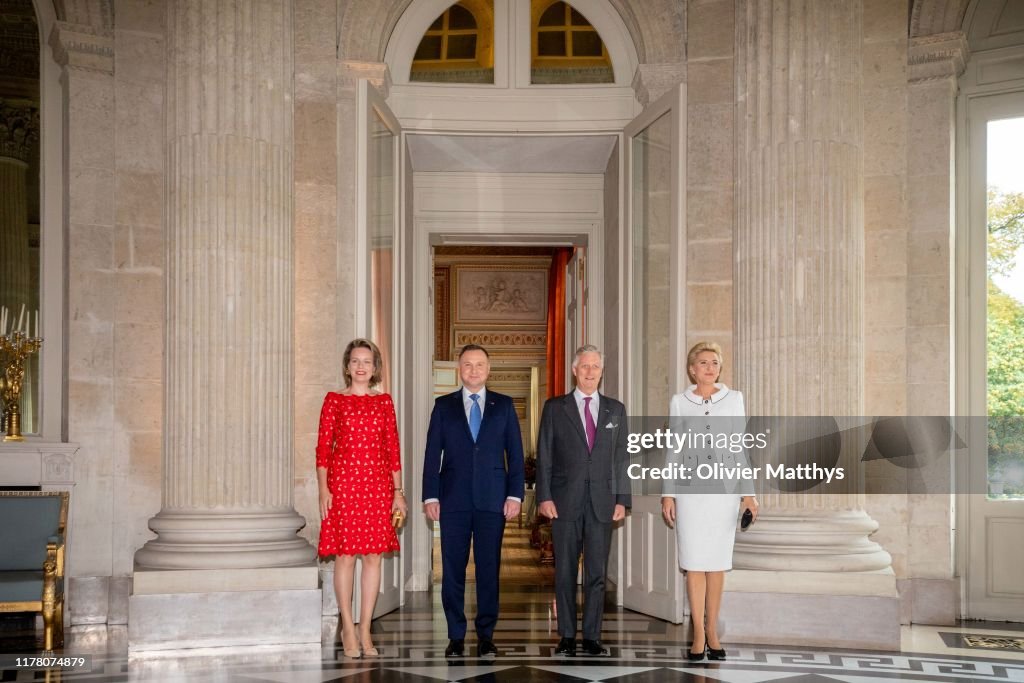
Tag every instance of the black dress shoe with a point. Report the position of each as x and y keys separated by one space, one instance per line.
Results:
x=594 y=648
x=716 y=655
x=485 y=648
x=566 y=648
x=456 y=648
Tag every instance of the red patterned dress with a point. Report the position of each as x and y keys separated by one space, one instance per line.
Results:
x=358 y=445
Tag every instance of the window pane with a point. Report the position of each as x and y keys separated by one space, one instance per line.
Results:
x=564 y=58
x=1005 y=319
x=554 y=15
x=551 y=44
x=652 y=269
x=578 y=19
x=586 y=44
x=430 y=48
x=438 y=23
x=381 y=223
x=462 y=47
x=460 y=17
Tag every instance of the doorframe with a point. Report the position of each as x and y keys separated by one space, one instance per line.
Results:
x=672 y=103
x=421 y=236
x=975 y=85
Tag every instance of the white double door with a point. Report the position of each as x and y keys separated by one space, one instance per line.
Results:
x=650 y=313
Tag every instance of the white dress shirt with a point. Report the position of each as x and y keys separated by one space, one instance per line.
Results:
x=467 y=402
x=580 y=405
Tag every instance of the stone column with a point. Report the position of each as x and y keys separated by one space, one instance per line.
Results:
x=228 y=485
x=799 y=289
x=19 y=128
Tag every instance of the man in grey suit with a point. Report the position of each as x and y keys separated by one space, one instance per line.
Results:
x=583 y=487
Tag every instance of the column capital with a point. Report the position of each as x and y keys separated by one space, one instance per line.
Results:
x=938 y=57
x=350 y=71
x=19 y=129
x=81 y=46
x=651 y=81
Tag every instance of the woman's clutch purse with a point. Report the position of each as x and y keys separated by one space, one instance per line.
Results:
x=397 y=519
x=746 y=520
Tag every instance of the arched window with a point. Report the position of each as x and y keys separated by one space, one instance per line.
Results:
x=566 y=48
x=459 y=45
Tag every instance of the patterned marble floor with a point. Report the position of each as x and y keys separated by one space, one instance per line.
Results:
x=643 y=650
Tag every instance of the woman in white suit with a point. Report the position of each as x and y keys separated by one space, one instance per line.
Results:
x=705 y=521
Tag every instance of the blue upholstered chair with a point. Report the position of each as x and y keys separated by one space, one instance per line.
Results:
x=32 y=533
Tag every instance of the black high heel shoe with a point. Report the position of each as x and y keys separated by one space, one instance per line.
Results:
x=716 y=655
x=697 y=656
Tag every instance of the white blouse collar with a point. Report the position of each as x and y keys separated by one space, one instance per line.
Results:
x=693 y=397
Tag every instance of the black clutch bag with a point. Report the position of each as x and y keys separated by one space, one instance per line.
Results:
x=746 y=520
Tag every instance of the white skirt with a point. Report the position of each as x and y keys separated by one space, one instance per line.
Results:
x=706 y=530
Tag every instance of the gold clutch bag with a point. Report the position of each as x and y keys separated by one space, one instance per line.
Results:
x=397 y=519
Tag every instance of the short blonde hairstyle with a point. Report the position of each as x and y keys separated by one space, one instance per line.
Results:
x=378 y=362
x=699 y=348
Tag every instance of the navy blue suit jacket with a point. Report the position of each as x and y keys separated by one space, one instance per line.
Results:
x=464 y=475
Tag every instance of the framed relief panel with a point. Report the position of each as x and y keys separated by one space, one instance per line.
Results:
x=512 y=297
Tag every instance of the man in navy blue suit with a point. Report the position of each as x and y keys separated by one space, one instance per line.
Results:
x=472 y=482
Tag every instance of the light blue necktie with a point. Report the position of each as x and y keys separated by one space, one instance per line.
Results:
x=475 y=416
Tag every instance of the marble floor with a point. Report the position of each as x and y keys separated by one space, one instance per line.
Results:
x=643 y=650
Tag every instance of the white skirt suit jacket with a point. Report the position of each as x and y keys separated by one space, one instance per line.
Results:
x=706 y=522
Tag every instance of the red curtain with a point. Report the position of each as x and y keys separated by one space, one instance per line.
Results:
x=556 y=322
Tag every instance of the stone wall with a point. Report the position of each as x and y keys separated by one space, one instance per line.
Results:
x=115 y=173
x=323 y=273
x=710 y=175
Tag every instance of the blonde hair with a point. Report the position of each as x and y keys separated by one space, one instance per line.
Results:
x=699 y=348
x=378 y=363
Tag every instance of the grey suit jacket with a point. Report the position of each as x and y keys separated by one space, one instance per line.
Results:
x=564 y=465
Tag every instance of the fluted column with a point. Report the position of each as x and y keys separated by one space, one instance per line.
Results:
x=228 y=484
x=799 y=270
x=19 y=129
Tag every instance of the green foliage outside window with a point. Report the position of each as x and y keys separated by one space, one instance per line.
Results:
x=1005 y=342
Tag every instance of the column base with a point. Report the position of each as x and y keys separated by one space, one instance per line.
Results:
x=225 y=540
x=819 y=542
x=820 y=609
x=186 y=609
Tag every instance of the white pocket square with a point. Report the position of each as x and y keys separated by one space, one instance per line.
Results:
x=610 y=425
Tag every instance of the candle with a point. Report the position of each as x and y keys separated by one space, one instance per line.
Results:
x=21 y=317
x=3 y=320
x=36 y=335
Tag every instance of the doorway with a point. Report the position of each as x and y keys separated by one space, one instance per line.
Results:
x=486 y=218
x=527 y=306
x=597 y=190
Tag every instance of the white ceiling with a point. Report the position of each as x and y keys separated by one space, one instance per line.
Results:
x=511 y=153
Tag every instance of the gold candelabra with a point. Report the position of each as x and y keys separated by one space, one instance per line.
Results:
x=15 y=347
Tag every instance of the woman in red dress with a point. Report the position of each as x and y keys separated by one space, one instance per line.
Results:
x=358 y=469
